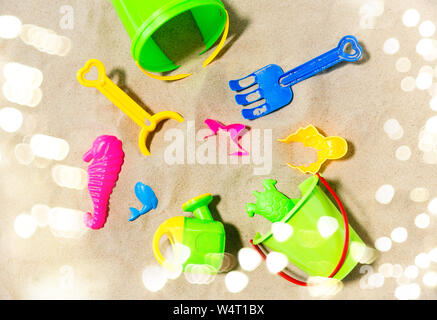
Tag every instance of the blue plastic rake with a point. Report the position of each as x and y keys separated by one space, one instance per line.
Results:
x=274 y=86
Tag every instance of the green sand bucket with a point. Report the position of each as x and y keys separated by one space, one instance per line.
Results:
x=317 y=241
x=142 y=18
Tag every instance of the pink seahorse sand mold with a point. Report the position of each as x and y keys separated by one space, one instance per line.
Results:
x=108 y=156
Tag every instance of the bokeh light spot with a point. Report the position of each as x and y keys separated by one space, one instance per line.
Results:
x=419 y=194
x=424 y=46
x=236 y=281
x=67 y=223
x=411 y=18
x=393 y=129
x=276 y=261
x=21 y=75
x=322 y=287
x=399 y=235
x=281 y=231
x=23 y=153
x=376 y=280
x=41 y=214
x=49 y=147
x=432 y=206
x=391 y=46
x=11 y=119
x=422 y=260
x=383 y=244
x=327 y=226
x=25 y=225
x=362 y=253
x=69 y=177
x=154 y=278
x=411 y=272
x=403 y=153
x=408 y=84
x=433 y=103
x=403 y=64
x=424 y=80
x=249 y=259
x=200 y=274
x=10 y=27
x=386 y=270
x=422 y=220
x=385 y=194
x=430 y=279
x=431 y=125
x=427 y=28
x=408 y=291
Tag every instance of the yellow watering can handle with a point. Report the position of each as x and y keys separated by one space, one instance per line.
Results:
x=173 y=228
x=345 y=246
x=205 y=63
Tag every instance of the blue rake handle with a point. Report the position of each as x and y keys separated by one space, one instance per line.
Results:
x=323 y=62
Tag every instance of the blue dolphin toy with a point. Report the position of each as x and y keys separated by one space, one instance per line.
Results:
x=147 y=197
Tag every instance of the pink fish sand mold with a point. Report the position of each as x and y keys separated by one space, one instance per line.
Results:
x=234 y=130
x=107 y=158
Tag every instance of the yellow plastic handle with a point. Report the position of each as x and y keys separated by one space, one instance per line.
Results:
x=221 y=43
x=173 y=228
x=124 y=102
x=145 y=130
x=113 y=92
x=101 y=74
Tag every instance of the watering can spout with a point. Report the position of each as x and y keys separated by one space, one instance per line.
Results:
x=199 y=207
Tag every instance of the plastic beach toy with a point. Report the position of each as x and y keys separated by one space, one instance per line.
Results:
x=319 y=243
x=148 y=199
x=146 y=121
x=142 y=19
x=195 y=241
x=274 y=86
x=234 y=131
x=107 y=158
x=328 y=148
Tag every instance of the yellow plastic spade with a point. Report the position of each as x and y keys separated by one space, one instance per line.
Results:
x=328 y=148
x=126 y=104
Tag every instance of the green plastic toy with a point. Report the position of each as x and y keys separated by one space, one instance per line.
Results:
x=271 y=203
x=142 y=18
x=195 y=241
x=309 y=247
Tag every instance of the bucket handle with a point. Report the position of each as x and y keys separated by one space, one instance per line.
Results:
x=345 y=245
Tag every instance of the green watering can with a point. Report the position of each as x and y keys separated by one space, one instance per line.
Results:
x=312 y=249
x=195 y=241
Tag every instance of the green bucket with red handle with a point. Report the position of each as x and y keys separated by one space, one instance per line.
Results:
x=317 y=237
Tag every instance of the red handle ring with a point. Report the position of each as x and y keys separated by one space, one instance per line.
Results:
x=345 y=246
